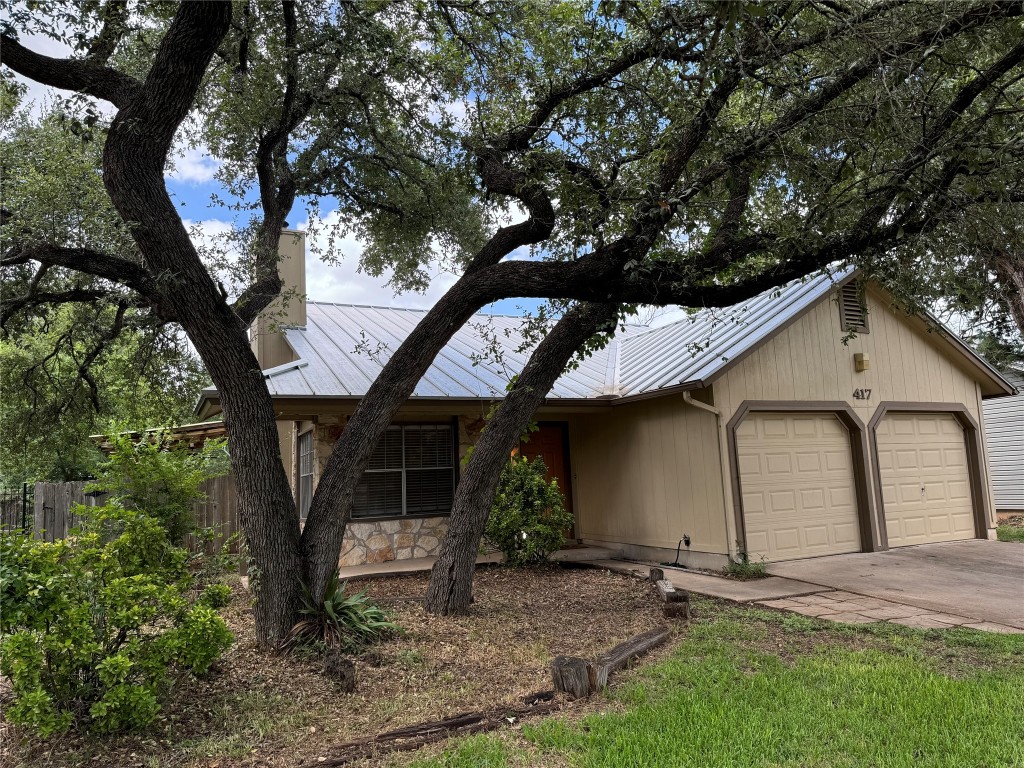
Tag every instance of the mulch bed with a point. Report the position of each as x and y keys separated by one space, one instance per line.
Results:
x=256 y=709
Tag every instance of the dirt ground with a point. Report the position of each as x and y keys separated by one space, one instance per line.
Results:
x=255 y=709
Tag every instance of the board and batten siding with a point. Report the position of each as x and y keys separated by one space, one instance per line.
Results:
x=1004 y=432
x=807 y=361
x=648 y=472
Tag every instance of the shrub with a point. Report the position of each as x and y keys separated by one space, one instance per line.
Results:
x=160 y=475
x=339 y=622
x=528 y=518
x=215 y=595
x=95 y=626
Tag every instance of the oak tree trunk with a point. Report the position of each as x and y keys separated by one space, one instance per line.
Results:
x=331 y=507
x=451 y=580
x=1009 y=268
x=134 y=159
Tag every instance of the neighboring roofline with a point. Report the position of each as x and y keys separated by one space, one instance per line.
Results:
x=204 y=430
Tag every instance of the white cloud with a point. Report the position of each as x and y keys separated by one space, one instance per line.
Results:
x=194 y=165
x=342 y=283
x=345 y=284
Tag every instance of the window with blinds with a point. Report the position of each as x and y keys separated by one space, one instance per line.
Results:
x=305 y=473
x=411 y=472
x=853 y=314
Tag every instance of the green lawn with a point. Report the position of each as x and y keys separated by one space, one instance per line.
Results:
x=750 y=687
x=1010 y=532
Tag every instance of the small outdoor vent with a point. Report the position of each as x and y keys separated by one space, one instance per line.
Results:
x=852 y=313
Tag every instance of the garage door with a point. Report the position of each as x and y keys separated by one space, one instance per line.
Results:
x=926 y=487
x=797 y=486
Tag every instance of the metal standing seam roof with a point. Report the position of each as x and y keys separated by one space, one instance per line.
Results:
x=343 y=348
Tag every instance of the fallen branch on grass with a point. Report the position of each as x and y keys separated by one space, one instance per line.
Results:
x=415 y=736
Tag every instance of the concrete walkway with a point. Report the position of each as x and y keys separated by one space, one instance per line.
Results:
x=771 y=588
x=810 y=599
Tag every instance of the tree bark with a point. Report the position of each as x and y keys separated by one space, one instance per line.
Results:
x=451 y=580
x=331 y=508
x=1009 y=268
x=134 y=158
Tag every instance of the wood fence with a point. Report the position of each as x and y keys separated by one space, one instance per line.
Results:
x=53 y=518
x=219 y=511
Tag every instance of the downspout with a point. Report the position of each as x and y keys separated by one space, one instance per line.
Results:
x=730 y=532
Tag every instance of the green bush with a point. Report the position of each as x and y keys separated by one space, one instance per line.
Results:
x=215 y=595
x=528 y=518
x=96 y=625
x=160 y=475
x=339 y=622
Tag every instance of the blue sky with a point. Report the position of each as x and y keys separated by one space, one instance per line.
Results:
x=193 y=185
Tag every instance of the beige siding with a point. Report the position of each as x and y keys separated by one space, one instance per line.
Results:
x=808 y=361
x=811 y=363
x=647 y=473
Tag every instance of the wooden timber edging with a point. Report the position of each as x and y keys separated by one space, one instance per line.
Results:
x=412 y=737
x=579 y=678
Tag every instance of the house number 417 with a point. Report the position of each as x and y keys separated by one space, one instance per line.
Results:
x=862 y=394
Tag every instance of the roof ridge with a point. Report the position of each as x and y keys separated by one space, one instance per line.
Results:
x=401 y=309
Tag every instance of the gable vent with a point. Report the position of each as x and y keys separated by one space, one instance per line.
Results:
x=852 y=313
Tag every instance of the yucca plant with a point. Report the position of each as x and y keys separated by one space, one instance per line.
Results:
x=340 y=622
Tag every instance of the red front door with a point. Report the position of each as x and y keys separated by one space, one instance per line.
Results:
x=551 y=443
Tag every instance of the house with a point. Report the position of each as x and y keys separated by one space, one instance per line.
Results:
x=1004 y=426
x=814 y=419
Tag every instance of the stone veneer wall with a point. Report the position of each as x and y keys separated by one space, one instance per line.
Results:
x=384 y=540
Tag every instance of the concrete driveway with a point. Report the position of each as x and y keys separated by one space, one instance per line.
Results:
x=980 y=579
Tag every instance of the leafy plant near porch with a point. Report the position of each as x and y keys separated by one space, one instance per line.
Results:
x=340 y=622
x=94 y=627
x=528 y=518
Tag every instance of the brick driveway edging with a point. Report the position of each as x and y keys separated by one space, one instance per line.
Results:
x=851 y=608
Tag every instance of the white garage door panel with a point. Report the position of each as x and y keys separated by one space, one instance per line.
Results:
x=926 y=487
x=796 y=478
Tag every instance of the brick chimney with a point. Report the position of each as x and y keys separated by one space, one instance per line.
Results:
x=266 y=335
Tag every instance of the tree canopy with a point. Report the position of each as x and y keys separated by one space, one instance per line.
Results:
x=78 y=355
x=610 y=154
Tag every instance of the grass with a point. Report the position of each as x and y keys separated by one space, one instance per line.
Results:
x=1010 y=533
x=242 y=720
x=745 y=570
x=752 y=687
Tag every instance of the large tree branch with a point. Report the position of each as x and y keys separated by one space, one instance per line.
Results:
x=91 y=262
x=79 y=75
x=840 y=83
x=115 y=17
x=12 y=306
